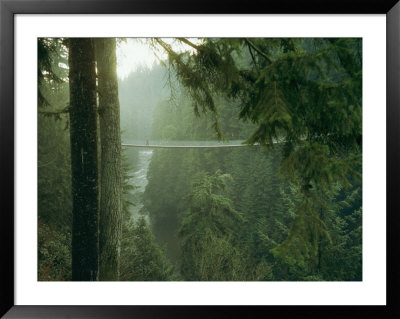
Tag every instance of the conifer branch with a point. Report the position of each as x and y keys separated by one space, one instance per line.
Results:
x=258 y=50
x=251 y=53
x=189 y=43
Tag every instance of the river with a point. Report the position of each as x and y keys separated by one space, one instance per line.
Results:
x=139 y=181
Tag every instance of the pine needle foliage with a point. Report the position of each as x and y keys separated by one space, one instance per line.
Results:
x=142 y=258
x=303 y=93
x=208 y=230
x=54 y=170
x=52 y=53
x=300 y=91
x=325 y=235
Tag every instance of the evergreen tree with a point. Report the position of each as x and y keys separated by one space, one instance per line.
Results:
x=84 y=169
x=331 y=251
x=207 y=232
x=54 y=163
x=303 y=93
x=143 y=259
x=49 y=51
x=111 y=178
x=292 y=210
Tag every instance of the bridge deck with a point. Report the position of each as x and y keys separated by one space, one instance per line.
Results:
x=187 y=146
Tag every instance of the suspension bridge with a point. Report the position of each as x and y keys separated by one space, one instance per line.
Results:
x=189 y=144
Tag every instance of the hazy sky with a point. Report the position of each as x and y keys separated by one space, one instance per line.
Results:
x=135 y=52
x=131 y=54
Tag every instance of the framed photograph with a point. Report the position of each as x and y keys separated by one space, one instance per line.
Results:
x=166 y=159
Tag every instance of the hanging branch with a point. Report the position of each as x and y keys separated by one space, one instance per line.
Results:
x=258 y=50
x=251 y=53
x=191 y=44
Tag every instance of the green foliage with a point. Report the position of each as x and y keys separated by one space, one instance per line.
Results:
x=343 y=259
x=51 y=55
x=54 y=171
x=304 y=92
x=54 y=253
x=206 y=197
x=275 y=240
x=208 y=230
x=288 y=211
x=142 y=258
x=327 y=244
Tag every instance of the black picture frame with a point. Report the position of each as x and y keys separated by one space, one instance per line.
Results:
x=8 y=8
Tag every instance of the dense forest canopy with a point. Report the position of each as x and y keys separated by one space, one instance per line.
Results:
x=286 y=206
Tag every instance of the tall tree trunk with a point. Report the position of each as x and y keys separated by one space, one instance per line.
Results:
x=84 y=164
x=111 y=176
